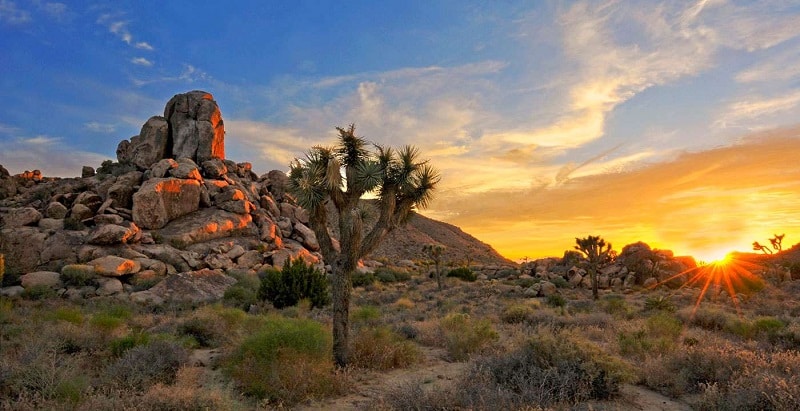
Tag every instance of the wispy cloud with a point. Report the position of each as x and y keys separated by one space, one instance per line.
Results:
x=96 y=127
x=189 y=74
x=751 y=111
x=141 y=61
x=13 y=15
x=780 y=67
x=119 y=28
x=48 y=154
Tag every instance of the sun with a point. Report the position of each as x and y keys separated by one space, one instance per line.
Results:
x=714 y=257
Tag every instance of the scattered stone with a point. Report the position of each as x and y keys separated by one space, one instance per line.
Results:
x=56 y=210
x=108 y=286
x=113 y=266
x=42 y=278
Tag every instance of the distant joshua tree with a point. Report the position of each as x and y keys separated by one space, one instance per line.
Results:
x=341 y=175
x=597 y=252
x=777 y=245
x=435 y=252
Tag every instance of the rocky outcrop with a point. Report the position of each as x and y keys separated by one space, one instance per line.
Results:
x=189 y=287
x=196 y=126
x=151 y=145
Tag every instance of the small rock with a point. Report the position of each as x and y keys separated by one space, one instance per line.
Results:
x=56 y=210
x=113 y=266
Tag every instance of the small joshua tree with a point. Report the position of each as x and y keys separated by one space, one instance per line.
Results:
x=777 y=245
x=597 y=252
x=435 y=251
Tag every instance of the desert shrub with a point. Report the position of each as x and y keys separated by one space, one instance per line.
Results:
x=38 y=292
x=110 y=318
x=239 y=296
x=294 y=282
x=551 y=371
x=770 y=327
x=506 y=273
x=6 y=309
x=614 y=304
x=362 y=279
x=285 y=361
x=67 y=314
x=380 y=348
x=189 y=392
x=388 y=275
x=525 y=282
x=144 y=365
x=516 y=314
x=554 y=368
x=556 y=300
x=560 y=282
x=365 y=315
x=204 y=332
x=120 y=345
x=707 y=318
x=660 y=335
x=404 y=303
x=464 y=336
x=42 y=374
x=463 y=273
x=408 y=331
x=77 y=277
x=659 y=303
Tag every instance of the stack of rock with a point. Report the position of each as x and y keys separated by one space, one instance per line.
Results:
x=171 y=207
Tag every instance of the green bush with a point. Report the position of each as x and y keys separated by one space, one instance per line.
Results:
x=516 y=314
x=38 y=292
x=463 y=273
x=464 y=336
x=560 y=282
x=294 y=282
x=362 y=279
x=556 y=300
x=77 y=276
x=660 y=303
x=120 y=345
x=286 y=360
x=380 y=348
x=240 y=297
x=388 y=275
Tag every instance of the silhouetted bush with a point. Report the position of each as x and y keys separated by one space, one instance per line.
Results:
x=294 y=282
x=463 y=273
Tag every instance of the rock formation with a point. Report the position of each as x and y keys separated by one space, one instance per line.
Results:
x=171 y=212
x=191 y=127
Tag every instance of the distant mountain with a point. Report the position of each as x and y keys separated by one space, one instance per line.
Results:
x=406 y=243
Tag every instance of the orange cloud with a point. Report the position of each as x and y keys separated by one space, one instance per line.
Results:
x=699 y=203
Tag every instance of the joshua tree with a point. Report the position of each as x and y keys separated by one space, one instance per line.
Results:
x=435 y=251
x=597 y=252
x=341 y=175
x=776 y=241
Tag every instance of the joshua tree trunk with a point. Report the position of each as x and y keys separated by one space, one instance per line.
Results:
x=341 y=313
x=593 y=276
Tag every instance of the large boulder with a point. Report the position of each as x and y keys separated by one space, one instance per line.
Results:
x=205 y=225
x=188 y=287
x=113 y=266
x=196 y=126
x=151 y=145
x=20 y=217
x=161 y=200
x=41 y=278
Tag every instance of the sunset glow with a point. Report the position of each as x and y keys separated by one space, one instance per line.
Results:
x=672 y=123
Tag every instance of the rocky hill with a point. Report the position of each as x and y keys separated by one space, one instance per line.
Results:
x=460 y=247
x=173 y=212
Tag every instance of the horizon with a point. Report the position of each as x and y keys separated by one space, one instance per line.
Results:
x=668 y=123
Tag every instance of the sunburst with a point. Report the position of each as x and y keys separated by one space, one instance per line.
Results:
x=728 y=274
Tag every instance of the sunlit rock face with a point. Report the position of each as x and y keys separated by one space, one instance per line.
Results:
x=191 y=127
x=196 y=126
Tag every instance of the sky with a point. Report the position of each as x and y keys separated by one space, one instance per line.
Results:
x=676 y=123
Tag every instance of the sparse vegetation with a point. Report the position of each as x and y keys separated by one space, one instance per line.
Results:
x=463 y=273
x=296 y=281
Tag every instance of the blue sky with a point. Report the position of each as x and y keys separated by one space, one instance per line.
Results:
x=516 y=102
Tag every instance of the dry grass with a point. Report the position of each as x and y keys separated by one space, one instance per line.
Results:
x=59 y=354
